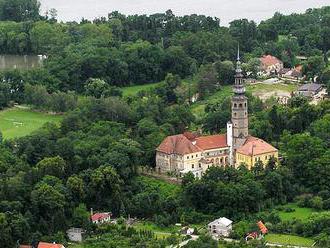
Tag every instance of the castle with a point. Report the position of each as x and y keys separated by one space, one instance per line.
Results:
x=188 y=152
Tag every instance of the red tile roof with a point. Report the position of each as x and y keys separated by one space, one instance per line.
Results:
x=49 y=245
x=269 y=60
x=177 y=144
x=255 y=146
x=212 y=142
x=100 y=216
x=180 y=144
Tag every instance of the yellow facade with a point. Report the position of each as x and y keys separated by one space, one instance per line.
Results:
x=250 y=160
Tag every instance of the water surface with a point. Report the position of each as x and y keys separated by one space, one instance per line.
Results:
x=20 y=61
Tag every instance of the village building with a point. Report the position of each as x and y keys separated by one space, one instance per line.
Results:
x=255 y=150
x=270 y=65
x=101 y=218
x=188 y=152
x=294 y=74
x=221 y=227
x=309 y=90
x=75 y=234
x=49 y=245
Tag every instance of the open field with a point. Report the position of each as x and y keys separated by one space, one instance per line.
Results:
x=299 y=213
x=284 y=239
x=261 y=90
x=17 y=122
x=133 y=90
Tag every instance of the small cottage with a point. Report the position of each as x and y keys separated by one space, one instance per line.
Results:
x=221 y=227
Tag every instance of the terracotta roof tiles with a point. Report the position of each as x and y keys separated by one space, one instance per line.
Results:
x=255 y=146
x=269 y=60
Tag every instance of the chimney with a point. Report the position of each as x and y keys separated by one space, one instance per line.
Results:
x=92 y=213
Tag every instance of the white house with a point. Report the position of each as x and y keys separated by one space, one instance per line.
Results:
x=221 y=227
x=101 y=218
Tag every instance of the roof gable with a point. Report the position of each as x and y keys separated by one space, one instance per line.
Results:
x=212 y=141
x=255 y=146
x=49 y=245
x=177 y=144
x=269 y=60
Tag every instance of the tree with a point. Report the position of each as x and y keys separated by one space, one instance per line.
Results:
x=313 y=67
x=5 y=237
x=19 y=10
x=55 y=166
x=208 y=80
x=96 y=87
x=226 y=72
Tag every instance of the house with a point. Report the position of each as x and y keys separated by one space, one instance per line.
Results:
x=49 y=245
x=75 y=234
x=101 y=218
x=193 y=153
x=254 y=150
x=292 y=74
x=221 y=227
x=270 y=65
x=309 y=90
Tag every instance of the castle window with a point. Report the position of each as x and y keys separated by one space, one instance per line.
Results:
x=245 y=105
x=187 y=157
x=235 y=114
x=235 y=105
x=241 y=105
x=192 y=166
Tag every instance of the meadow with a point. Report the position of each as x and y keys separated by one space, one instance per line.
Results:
x=133 y=90
x=20 y=121
x=298 y=213
x=283 y=239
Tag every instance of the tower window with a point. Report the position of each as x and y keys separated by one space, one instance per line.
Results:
x=235 y=114
x=235 y=105
x=245 y=105
x=241 y=105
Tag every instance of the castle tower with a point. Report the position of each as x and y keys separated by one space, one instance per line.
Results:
x=240 y=117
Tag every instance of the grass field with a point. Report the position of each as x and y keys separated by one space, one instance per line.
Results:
x=284 y=239
x=299 y=213
x=18 y=122
x=133 y=90
x=259 y=89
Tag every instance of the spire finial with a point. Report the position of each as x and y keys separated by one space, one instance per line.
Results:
x=238 y=57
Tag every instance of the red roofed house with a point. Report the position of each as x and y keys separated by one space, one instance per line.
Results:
x=188 y=152
x=49 y=245
x=270 y=65
x=254 y=150
x=101 y=218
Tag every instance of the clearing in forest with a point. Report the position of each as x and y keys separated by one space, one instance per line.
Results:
x=18 y=122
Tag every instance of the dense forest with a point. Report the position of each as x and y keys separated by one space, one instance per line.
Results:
x=50 y=179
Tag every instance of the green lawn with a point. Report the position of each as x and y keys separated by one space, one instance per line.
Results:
x=299 y=213
x=17 y=122
x=133 y=90
x=284 y=239
x=150 y=226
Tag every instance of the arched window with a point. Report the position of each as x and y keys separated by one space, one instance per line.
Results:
x=235 y=105
x=235 y=114
x=245 y=105
x=241 y=105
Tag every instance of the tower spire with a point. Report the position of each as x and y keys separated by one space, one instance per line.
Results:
x=238 y=57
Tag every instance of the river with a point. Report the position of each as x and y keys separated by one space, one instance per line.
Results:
x=226 y=10
x=20 y=61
